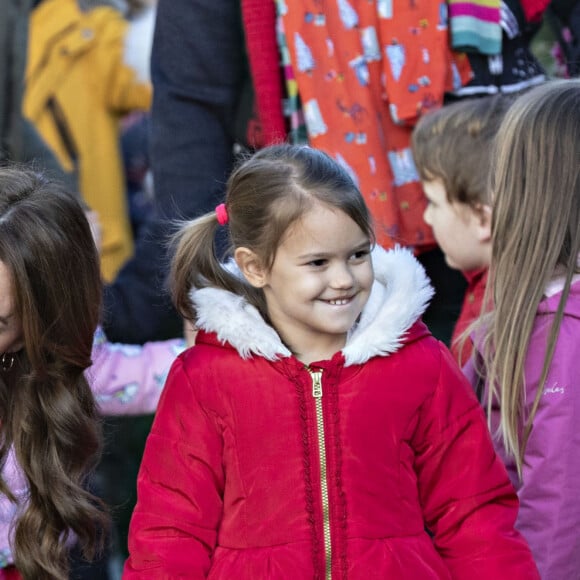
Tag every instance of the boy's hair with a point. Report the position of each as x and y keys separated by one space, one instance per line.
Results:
x=265 y=195
x=49 y=417
x=535 y=234
x=454 y=144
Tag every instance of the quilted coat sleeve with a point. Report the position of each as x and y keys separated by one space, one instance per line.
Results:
x=469 y=504
x=174 y=525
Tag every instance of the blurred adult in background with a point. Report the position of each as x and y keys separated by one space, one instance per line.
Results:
x=78 y=87
x=19 y=141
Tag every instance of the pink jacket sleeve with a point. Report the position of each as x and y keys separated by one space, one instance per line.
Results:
x=549 y=514
x=128 y=379
x=468 y=500
x=173 y=530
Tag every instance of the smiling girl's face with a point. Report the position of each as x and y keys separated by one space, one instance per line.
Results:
x=10 y=326
x=319 y=282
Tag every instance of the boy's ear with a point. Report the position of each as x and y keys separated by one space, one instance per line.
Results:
x=483 y=213
x=251 y=267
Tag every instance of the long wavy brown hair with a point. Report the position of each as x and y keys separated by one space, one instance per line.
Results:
x=535 y=236
x=48 y=416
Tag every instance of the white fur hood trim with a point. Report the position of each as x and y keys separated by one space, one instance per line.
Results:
x=399 y=296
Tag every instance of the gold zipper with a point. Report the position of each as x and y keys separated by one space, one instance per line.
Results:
x=317 y=395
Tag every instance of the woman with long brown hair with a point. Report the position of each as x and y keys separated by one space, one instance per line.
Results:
x=49 y=309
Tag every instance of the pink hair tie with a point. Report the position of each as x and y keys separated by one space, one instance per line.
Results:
x=222 y=214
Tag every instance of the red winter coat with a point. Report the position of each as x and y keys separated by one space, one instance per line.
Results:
x=255 y=470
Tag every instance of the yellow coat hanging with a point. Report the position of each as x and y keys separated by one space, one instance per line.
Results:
x=77 y=89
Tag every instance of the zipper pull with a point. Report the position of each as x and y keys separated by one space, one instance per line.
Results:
x=316 y=384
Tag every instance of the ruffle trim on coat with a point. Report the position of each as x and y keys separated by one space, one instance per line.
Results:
x=399 y=296
x=316 y=531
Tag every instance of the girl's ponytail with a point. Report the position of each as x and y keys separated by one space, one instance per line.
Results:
x=196 y=264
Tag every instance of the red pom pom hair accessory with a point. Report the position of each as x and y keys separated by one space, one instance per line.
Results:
x=221 y=214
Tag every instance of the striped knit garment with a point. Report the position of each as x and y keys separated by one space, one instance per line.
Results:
x=474 y=26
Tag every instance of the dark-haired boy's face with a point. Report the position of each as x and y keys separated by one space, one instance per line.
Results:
x=10 y=326
x=458 y=229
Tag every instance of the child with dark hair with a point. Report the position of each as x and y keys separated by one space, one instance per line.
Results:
x=316 y=429
x=452 y=150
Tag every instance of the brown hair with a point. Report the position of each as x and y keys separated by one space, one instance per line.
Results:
x=48 y=414
x=535 y=234
x=455 y=143
x=265 y=195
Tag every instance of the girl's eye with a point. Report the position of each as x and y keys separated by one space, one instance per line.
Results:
x=361 y=254
x=317 y=263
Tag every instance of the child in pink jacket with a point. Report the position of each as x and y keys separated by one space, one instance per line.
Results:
x=529 y=346
x=127 y=379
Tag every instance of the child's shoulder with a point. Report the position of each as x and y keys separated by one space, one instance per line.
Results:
x=418 y=339
x=422 y=358
x=210 y=357
x=426 y=372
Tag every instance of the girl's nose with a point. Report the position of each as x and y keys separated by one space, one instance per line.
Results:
x=342 y=277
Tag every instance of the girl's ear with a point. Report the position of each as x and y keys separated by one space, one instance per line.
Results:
x=251 y=267
x=483 y=212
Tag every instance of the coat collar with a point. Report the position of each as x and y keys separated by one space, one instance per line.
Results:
x=549 y=305
x=399 y=296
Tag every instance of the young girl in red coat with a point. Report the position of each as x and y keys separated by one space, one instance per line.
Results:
x=316 y=429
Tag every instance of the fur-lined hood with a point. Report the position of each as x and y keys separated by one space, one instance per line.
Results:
x=399 y=296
